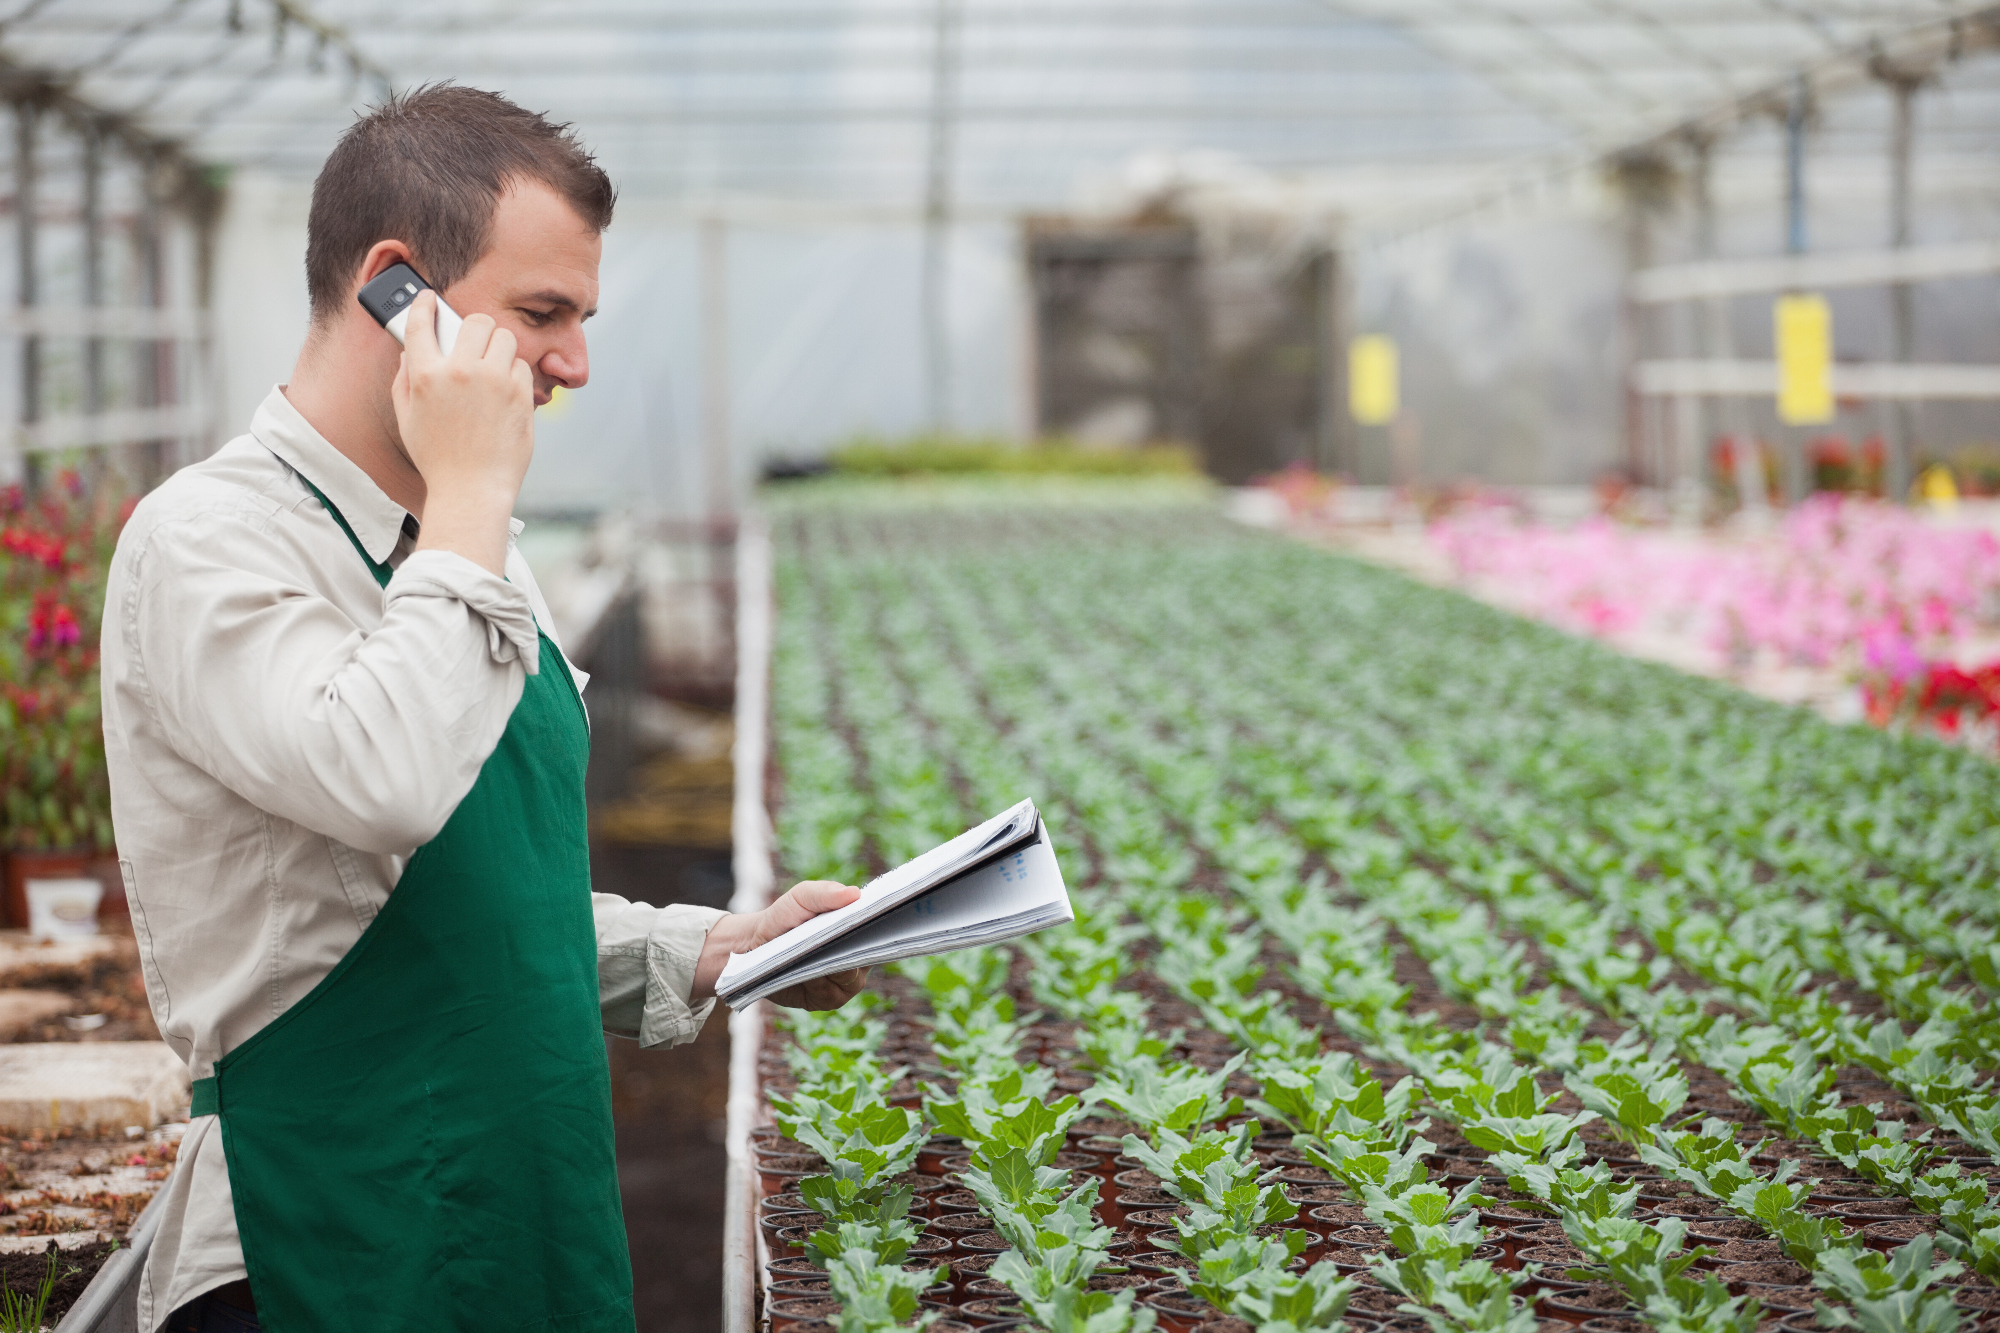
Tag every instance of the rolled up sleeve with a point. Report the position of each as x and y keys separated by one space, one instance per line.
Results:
x=511 y=635
x=645 y=968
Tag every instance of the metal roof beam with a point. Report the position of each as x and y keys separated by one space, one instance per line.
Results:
x=583 y=16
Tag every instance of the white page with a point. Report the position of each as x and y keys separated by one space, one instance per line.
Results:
x=1020 y=893
x=1009 y=887
x=879 y=895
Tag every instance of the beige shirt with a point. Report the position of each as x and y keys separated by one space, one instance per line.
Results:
x=282 y=734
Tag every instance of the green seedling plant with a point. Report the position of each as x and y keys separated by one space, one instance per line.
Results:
x=1448 y=1280
x=1708 y=1158
x=887 y=1241
x=1649 y=1263
x=1713 y=1162
x=1546 y=1030
x=1559 y=1185
x=1507 y=1114
x=1634 y=1096
x=1429 y=1221
x=1079 y=1310
x=1263 y=1026
x=866 y=1146
x=964 y=982
x=1114 y=1044
x=1029 y=1207
x=876 y=1296
x=1221 y=1271
x=1888 y=1293
x=1173 y=1099
x=1360 y=1166
x=1253 y=1280
x=1218 y=1177
x=1476 y=1297
x=1006 y=1112
x=1777 y=1205
x=1333 y=1096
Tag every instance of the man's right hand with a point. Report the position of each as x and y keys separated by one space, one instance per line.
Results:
x=468 y=424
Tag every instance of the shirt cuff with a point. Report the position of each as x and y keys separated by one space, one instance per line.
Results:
x=511 y=634
x=645 y=966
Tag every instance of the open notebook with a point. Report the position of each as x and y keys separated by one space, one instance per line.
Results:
x=990 y=883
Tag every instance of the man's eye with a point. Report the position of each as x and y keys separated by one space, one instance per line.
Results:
x=538 y=318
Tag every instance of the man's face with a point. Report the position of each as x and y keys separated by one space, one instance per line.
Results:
x=537 y=279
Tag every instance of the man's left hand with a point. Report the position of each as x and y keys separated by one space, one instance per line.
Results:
x=740 y=932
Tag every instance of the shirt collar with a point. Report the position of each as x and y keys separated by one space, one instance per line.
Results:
x=376 y=519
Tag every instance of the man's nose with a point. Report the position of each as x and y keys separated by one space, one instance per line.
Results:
x=568 y=362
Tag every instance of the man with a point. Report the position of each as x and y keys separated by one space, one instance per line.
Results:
x=347 y=765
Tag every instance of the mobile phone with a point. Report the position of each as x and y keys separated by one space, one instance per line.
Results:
x=387 y=296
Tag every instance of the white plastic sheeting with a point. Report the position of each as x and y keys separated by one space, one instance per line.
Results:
x=1454 y=142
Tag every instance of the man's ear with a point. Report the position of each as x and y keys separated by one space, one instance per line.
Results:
x=380 y=256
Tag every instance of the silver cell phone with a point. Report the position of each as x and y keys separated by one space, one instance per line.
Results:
x=387 y=297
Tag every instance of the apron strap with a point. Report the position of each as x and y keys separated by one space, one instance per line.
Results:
x=380 y=571
x=207 y=1097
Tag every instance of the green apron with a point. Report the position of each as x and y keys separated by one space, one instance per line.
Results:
x=424 y=1141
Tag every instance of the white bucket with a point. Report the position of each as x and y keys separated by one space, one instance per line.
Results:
x=62 y=908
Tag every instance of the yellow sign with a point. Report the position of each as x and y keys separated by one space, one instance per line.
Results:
x=1939 y=487
x=1805 y=360
x=1372 y=388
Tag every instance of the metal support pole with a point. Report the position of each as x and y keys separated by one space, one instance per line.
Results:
x=93 y=262
x=1333 y=436
x=1638 y=178
x=719 y=465
x=1896 y=464
x=938 y=215
x=1796 y=111
x=27 y=288
x=157 y=367
x=207 y=224
x=1715 y=339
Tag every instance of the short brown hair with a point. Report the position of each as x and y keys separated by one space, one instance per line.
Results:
x=427 y=168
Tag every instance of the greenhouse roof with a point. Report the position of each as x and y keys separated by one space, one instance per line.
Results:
x=1004 y=105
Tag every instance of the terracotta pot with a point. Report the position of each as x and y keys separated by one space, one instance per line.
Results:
x=1875 y=1210
x=794 y=1310
x=70 y=864
x=1887 y=1236
x=953 y=1201
x=992 y=1310
x=1781 y=1301
x=1332 y=1217
x=1179 y=1312
x=790 y=1269
x=773 y=1223
x=1769 y=1273
x=1722 y=1230
x=1582 y=1303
